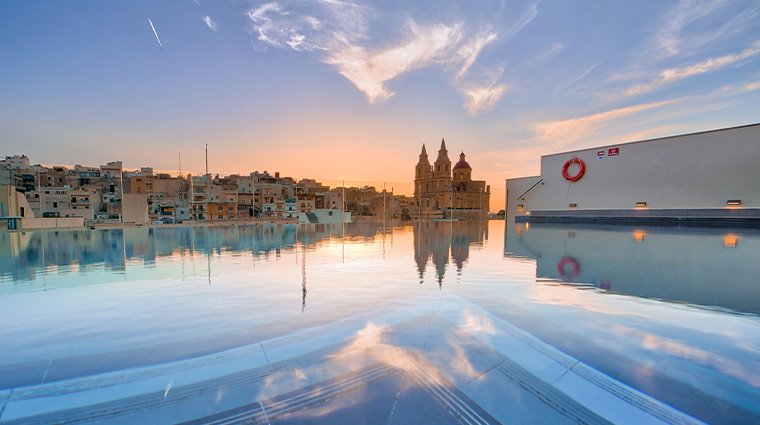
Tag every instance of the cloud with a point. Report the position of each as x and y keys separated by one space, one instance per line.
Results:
x=751 y=86
x=469 y=52
x=370 y=71
x=693 y=24
x=347 y=36
x=564 y=132
x=483 y=96
x=670 y=37
x=712 y=64
x=211 y=24
x=578 y=78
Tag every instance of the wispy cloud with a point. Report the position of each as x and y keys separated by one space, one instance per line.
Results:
x=155 y=33
x=676 y=22
x=370 y=71
x=342 y=33
x=751 y=86
x=564 y=132
x=469 y=52
x=482 y=96
x=578 y=78
x=674 y=74
x=209 y=23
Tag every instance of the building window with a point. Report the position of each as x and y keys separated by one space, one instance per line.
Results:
x=21 y=209
x=55 y=204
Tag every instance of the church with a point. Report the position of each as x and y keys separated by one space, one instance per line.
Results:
x=443 y=191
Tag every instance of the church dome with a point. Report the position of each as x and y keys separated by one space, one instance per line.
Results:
x=462 y=163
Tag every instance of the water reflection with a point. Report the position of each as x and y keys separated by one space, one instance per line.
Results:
x=26 y=255
x=436 y=241
x=714 y=268
x=29 y=256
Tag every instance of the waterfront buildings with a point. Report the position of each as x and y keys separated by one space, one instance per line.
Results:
x=111 y=194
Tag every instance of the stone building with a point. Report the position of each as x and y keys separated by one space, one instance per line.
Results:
x=444 y=191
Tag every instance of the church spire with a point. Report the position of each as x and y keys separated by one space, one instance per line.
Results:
x=443 y=154
x=423 y=157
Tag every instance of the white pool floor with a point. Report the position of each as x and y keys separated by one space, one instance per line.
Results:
x=426 y=360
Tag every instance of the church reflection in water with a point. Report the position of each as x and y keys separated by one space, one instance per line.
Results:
x=444 y=242
x=26 y=256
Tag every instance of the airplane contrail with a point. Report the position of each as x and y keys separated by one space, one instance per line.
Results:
x=154 y=32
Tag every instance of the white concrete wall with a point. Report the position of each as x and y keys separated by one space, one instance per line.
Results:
x=329 y=216
x=701 y=170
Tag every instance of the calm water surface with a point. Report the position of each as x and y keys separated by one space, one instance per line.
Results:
x=670 y=312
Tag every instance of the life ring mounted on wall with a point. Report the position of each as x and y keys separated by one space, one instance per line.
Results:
x=581 y=171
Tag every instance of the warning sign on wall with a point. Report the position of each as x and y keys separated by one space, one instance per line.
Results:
x=600 y=154
x=613 y=151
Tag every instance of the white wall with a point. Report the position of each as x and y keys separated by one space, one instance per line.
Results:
x=701 y=170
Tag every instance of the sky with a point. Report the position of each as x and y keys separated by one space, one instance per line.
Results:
x=340 y=90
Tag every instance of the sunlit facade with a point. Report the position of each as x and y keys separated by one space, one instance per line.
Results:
x=443 y=191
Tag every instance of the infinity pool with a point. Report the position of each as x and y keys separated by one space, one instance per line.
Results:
x=436 y=322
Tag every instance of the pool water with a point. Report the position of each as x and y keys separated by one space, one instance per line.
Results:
x=432 y=322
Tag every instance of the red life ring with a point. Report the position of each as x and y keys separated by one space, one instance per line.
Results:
x=580 y=172
x=561 y=269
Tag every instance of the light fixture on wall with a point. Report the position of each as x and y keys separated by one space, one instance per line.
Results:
x=730 y=239
x=573 y=205
x=641 y=204
x=734 y=202
x=519 y=206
